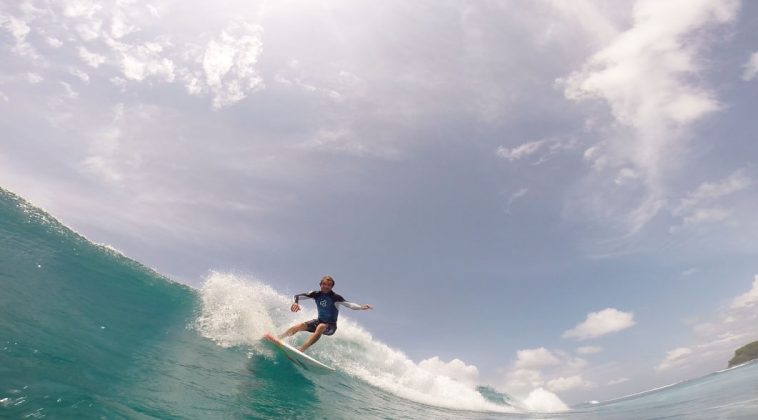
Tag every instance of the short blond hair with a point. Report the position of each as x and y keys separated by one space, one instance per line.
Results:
x=329 y=278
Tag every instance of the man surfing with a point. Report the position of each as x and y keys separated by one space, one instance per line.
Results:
x=326 y=303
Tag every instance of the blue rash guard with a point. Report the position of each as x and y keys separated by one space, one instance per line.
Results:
x=326 y=303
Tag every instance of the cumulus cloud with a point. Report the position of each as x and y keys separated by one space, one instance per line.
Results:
x=455 y=369
x=751 y=68
x=84 y=77
x=138 y=62
x=217 y=61
x=568 y=383
x=54 y=42
x=17 y=27
x=545 y=372
x=80 y=8
x=535 y=358
x=92 y=59
x=229 y=63
x=600 y=323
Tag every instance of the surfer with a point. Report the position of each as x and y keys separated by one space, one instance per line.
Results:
x=326 y=303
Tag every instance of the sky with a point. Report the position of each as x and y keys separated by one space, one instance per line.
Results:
x=542 y=195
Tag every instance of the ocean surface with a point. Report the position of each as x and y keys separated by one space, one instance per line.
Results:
x=88 y=333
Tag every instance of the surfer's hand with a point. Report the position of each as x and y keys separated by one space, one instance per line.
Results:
x=366 y=307
x=295 y=307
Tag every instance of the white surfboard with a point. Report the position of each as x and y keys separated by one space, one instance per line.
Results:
x=299 y=358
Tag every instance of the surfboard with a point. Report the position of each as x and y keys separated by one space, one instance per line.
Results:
x=299 y=358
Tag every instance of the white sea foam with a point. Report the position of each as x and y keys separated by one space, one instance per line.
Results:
x=238 y=311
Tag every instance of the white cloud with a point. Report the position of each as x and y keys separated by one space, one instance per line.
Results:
x=84 y=77
x=338 y=88
x=90 y=30
x=120 y=27
x=69 y=91
x=519 y=382
x=716 y=340
x=626 y=176
x=576 y=363
x=697 y=208
x=535 y=358
x=521 y=151
x=544 y=149
x=702 y=216
x=455 y=369
x=20 y=28
x=345 y=141
x=141 y=61
x=751 y=67
x=100 y=168
x=17 y=27
x=639 y=73
x=675 y=357
x=618 y=381
x=229 y=63
x=601 y=323
x=154 y=10
x=541 y=369
x=712 y=191
x=568 y=383
x=645 y=77
x=518 y=194
x=92 y=59
x=589 y=350
x=54 y=42
x=222 y=66
x=748 y=299
x=515 y=197
x=34 y=78
x=80 y=8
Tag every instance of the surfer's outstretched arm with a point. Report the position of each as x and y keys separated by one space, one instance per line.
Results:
x=355 y=306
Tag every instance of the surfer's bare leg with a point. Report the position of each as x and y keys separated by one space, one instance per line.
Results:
x=293 y=329
x=313 y=338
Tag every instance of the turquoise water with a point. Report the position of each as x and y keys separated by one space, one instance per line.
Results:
x=88 y=333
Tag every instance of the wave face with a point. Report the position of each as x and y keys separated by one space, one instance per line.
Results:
x=87 y=333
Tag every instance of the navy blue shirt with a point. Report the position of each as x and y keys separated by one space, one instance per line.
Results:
x=326 y=304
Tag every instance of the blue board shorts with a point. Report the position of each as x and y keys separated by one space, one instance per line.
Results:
x=330 y=326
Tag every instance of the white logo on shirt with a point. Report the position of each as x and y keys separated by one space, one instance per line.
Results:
x=323 y=303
